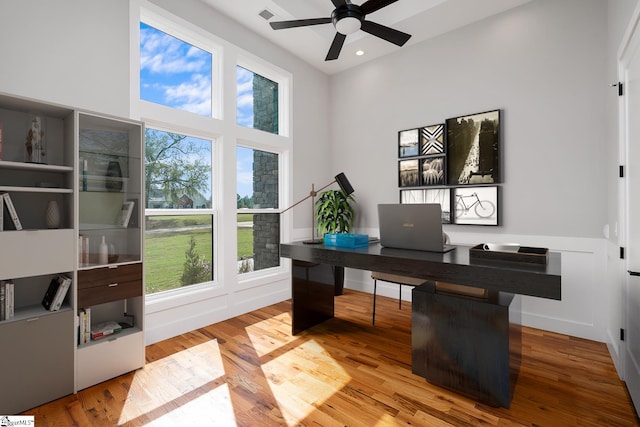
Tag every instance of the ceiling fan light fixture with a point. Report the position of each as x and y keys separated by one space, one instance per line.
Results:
x=348 y=18
x=348 y=25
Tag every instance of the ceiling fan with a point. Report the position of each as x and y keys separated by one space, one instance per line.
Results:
x=348 y=18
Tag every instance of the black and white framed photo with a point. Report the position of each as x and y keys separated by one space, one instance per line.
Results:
x=476 y=205
x=409 y=143
x=473 y=149
x=432 y=140
x=432 y=195
x=432 y=170
x=409 y=173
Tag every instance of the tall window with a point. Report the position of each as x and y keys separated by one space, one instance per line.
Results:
x=187 y=178
x=179 y=237
x=258 y=223
x=179 y=221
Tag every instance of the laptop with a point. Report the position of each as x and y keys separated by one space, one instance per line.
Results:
x=412 y=226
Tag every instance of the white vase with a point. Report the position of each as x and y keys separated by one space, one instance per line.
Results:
x=52 y=214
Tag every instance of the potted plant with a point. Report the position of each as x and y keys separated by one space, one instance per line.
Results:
x=335 y=214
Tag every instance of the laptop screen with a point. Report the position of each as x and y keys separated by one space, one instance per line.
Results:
x=411 y=226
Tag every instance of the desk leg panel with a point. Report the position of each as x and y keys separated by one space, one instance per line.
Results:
x=463 y=344
x=312 y=290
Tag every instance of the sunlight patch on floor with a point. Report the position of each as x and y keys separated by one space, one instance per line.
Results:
x=306 y=374
x=269 y=335
x=198 y=396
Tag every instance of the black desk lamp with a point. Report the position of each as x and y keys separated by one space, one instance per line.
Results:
x=346 y=188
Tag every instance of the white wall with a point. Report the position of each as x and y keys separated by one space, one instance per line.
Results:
x=544 y=65
x=69 y=52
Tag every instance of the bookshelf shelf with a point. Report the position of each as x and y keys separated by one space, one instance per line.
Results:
x=111 y=338
x=50 y=190
x=34 y=313
x=35 y=167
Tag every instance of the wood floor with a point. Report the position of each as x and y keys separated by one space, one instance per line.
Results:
x=250 y=371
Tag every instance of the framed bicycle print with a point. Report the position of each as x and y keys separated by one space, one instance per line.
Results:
x=409 y=174
x=473 y=149
x=476 y=205
x=432 y=195
x=408 y=143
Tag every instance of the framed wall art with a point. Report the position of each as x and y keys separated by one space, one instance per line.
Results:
x=433 y=195
x=408 y=143
x=409 y=173
x=476 y=205
x=473 y=149
x=432 y=140
x=432 y=171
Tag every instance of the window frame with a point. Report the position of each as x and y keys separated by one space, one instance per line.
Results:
x=257 y=66
x=188 y=33
x=213 y=210
x=221 y=130
x=275 y=211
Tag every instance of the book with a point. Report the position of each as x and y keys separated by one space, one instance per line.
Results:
x=65 y=283
x=12 y=211
x=125 y=213
x=133 y=221
x=84 y=325
x=3 y=296
x=9 y=300
x=50 y=295
x=81 y=328
x=104 y=329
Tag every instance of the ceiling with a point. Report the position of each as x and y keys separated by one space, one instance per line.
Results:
x=423 y=19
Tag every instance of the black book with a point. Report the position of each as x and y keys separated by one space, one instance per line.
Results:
x=51 y=293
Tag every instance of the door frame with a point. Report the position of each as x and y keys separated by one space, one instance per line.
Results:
x=630 y=43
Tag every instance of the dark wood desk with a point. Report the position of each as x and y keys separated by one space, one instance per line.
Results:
x=466 y=344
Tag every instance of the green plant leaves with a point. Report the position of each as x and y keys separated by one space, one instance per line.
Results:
x=334 y=212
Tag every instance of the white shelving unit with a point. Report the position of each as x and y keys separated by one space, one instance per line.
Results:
x=46 y=360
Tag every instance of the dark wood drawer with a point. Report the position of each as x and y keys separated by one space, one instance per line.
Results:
x=104 y=285
x=105 y=276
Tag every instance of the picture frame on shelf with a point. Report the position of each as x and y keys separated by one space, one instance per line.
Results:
x=476 y=205
x=408 y=143
x=432 y=171
x=432 y=140
x=441 y=196
x=408 y=173
x=473 y=148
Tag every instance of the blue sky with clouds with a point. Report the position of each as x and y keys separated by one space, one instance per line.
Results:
x=176 y=74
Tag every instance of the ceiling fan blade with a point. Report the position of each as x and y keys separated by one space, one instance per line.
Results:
x=371 y=6
x=338 y=3
x=279 y=25
x=336 y=47
x=389 y=34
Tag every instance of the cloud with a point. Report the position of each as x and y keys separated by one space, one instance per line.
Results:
x=193 y=95
x=161 y=53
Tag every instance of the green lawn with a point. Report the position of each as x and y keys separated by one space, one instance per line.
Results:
x=165 y=251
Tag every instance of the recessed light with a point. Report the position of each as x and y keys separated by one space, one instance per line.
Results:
x=359 y=52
